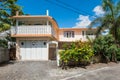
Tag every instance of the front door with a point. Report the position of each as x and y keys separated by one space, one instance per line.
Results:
x=52 y=51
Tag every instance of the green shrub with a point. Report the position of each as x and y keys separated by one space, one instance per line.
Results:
x=105 y=47
x=118 y=54
x=78 y=53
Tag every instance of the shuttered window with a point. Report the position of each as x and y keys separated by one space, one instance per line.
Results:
x=69 y=34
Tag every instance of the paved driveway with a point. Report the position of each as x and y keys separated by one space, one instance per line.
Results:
x=47 y=70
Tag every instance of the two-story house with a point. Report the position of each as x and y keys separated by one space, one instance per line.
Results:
x=37 y=37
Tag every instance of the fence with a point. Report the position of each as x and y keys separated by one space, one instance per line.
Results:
x=4 y=55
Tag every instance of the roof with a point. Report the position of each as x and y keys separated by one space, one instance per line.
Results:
x=30 y=16
x=77 y=29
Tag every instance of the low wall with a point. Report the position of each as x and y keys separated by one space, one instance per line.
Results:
x=4 y=55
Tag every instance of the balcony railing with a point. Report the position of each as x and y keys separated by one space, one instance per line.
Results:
x=89 y=36
x=34 y=29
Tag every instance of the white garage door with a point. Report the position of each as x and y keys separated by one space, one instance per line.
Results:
x=33 y=50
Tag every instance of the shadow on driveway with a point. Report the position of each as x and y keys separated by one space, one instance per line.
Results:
x=3 y=64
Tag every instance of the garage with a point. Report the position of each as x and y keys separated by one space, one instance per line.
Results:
x=33 y=50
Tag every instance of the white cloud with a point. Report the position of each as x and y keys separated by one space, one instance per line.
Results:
x=98 y=11
x=84 y=21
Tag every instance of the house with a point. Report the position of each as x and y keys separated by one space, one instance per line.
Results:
x=37 y=37
x=73 y=34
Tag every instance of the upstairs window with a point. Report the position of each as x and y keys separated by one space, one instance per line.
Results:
x=90 y=32
x=83 y=33
x=69 y=34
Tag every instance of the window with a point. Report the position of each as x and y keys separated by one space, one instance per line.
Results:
x=69 y=34
x=90 y=32
x=83 y=33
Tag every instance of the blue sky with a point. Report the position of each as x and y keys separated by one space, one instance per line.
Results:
x=82 y=14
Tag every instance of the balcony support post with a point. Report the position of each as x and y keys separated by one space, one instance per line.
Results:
x=16 y=22
x=47 y=22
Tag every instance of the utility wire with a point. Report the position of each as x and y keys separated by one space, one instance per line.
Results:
x=63 y=6
x=66 y=6
x=94 y=2
x=73 y=7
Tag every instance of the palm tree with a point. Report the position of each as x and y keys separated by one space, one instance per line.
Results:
x=110 y=20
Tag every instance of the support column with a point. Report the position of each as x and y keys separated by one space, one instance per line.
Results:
x=57 y=55
x=16 y=22
x=47 y=22
x=16 y=27
x=17 y=50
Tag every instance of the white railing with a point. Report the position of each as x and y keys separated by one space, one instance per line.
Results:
x=36 y=29
x=76 y=37
x=90 y=36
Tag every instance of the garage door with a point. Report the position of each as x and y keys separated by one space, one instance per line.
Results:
x=33 y=50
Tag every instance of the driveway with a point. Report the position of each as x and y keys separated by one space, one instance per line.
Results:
x=48 y=70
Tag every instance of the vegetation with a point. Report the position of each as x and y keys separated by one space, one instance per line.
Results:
x=106 y=49
x=110 y=20
x=8 y=8
x=79 y=53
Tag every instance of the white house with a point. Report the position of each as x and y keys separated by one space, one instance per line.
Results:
x=37 y=37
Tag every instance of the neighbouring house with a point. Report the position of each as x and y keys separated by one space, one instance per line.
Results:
x=37 y=37
x=68 y=35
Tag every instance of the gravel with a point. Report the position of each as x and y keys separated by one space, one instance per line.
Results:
x=45 y=70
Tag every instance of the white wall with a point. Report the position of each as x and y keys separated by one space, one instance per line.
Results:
x=75 y=38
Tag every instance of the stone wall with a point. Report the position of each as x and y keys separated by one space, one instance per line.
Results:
x=4 y=55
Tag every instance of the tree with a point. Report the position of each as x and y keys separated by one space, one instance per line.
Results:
x=8 y=8
x=110 y=20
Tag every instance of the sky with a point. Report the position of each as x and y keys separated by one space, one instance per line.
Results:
x=67 y=13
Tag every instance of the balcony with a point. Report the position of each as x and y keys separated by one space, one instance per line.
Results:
x=32 y=30
x=84 y=38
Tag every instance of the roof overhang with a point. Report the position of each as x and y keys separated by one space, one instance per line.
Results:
x=34 y=36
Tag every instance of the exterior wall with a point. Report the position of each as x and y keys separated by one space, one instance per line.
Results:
x=4 y=55
x=77 y=35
